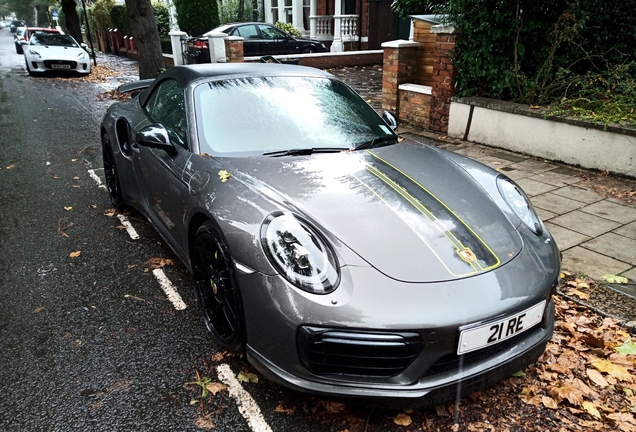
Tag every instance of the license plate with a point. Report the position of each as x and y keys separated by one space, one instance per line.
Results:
x=498 y=331
x=60 y=66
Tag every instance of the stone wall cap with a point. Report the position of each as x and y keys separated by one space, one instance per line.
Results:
x=325 y=54
x=443 y=29
x=215 y=33
x=541 y=113
x=416 y=88
x=435 y=19
x=400 y=43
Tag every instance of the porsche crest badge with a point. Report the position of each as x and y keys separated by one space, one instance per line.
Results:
x=467 y=255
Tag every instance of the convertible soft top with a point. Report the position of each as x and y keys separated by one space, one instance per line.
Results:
x=185 y=74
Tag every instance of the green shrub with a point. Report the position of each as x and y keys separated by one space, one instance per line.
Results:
x=119 y=19
x=196 y=17
x=289 y=28
x=534 y=51
x=162 y=16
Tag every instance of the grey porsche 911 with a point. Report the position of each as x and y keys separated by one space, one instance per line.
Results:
x=344 y=260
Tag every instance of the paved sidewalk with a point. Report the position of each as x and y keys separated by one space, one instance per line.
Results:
x=597 y=235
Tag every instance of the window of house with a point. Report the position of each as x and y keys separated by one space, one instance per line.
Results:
x=275 y=11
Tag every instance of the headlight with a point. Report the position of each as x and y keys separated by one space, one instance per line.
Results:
x=35 y=53
x=81 y=55
x=299 y=253
x=519 y=203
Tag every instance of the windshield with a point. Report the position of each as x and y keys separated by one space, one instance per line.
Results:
x=256 y=115
x=52 y=39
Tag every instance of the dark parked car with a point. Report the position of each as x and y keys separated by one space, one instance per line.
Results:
x=345 y=260
x=259 y=39
x=15 y=24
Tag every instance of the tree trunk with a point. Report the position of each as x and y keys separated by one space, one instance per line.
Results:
x=72 y=20
x=144 y=28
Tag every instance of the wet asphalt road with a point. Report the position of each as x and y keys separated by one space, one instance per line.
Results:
x=92 y=343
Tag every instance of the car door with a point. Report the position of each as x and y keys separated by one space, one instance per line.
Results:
x=277 y=41
x=159 y=174
x=253 y=42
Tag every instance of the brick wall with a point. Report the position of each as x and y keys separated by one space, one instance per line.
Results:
x=415 y=108
x=234 y=51
x=425 y=54
x=443 y=87
x=399 y=63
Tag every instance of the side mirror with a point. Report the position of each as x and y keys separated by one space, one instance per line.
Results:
x=83 y=45
x=390 y=119
x=156 y=136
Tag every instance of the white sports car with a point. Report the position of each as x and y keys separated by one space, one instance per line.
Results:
x=55 y=52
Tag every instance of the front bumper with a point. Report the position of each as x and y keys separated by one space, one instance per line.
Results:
x=42 y=66
x=428 y=391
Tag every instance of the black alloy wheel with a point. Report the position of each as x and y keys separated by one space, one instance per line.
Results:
x=216 y=290
x=111 y=174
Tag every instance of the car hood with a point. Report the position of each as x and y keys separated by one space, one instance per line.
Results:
x=407 y=210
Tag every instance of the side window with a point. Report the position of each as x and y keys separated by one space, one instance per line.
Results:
x=270 y=32
x=247 y=32
x=166 y=105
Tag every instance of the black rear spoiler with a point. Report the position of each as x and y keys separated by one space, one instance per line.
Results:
x=135 y=85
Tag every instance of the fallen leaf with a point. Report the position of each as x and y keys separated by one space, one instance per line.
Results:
x=218 y=357
x=247 y=377
x=68 y=208
x=214 y=388
x=579 y=294
x=624 y=421
x=627 y=348
x=548 y=402
x=224 y=175
x=38 y=309
x=591 y=409
x=596 y=377
x=75 y=254
x=616 y=371
x=73 y=160
x=110 y=212
x=614 y=279
x=402 y=419
x=76 y=178
x=281 y=409
x=204 y=421
x=93 y=206
x=157 y=263
x=11 y=167
x=572 y=393
x=442 y=411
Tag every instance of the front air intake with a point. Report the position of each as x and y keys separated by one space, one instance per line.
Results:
x=357 y=353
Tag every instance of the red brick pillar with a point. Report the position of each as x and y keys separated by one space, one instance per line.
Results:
x=234 y=49
x=400 y=58
x=443 y=88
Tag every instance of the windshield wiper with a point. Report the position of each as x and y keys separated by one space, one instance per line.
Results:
x=305 y=151
x=377 y=142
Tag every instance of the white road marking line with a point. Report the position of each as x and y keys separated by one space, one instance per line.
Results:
x=97 y=179
x=129 y=228
x=246 y=405
x=169 y=289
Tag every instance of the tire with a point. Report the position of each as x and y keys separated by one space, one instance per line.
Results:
x=18 y=49
x=111 y=174
x=28 y=68
x=216 y=290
